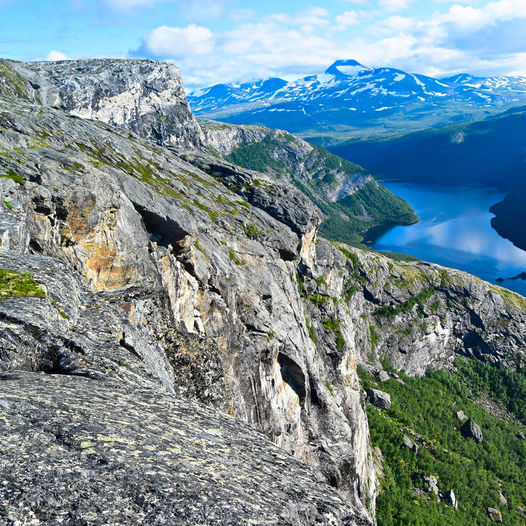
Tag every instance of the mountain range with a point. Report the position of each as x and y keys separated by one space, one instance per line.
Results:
x=350 y=99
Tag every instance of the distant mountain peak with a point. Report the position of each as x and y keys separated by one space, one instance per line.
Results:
x=346 y=68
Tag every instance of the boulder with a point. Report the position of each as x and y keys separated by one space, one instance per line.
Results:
x=494 y=515
x=379 y=399
x=471 y=429
x=432 y=484
x=410 y=444
x=383 y=376
x=450 y=498
x=461 y=415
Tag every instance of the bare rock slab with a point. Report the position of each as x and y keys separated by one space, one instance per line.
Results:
x=83 y=451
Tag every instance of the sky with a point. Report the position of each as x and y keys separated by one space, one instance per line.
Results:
x=221 y=41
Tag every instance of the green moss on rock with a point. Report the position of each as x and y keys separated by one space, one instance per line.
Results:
x=19 y=285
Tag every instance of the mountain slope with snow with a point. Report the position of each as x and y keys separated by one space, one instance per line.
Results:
x=350 y=99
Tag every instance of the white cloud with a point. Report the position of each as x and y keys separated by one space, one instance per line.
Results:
x=479 y=39
x=56 y=55
x=347 y=19
x=396 y=23
x=179 y=42
x=394 y=5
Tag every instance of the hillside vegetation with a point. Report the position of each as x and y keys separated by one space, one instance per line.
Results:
x=425 y=411
x=351 y=199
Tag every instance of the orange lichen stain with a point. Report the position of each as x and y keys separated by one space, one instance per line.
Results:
x=77 y=224
x=103 y=267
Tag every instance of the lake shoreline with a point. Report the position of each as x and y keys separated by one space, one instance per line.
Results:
x=454 y=230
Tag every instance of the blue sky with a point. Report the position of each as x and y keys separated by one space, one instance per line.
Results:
x=229 y=40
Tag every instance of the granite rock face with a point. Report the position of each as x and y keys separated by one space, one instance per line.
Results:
x=172 y=274
x=417 y=315
x=183 y=281
x=144 y=96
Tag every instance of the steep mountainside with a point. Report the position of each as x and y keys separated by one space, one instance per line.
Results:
x=352 y=201
x=352 y=100
x=510 y=213
x=136 y=275
x=489 y=153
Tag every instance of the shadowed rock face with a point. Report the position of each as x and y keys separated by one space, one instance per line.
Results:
x=170 y=274
x=472 y=430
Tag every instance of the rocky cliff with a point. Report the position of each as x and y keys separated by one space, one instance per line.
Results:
x=137 y=276
x=294 y=158
x=146 y=97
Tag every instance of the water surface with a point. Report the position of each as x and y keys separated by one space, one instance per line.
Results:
x=455 y=231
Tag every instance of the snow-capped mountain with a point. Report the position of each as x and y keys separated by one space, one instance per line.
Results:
x=349 y=96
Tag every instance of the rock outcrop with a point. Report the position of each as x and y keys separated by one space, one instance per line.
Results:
x=294 y=158
x=103 y=451
x=144 y=96
x=379 y=398
x=417 y=315
x=450 y=498
x=494 y=515
x=472 y=430
x=183 y=276
x=170 y=274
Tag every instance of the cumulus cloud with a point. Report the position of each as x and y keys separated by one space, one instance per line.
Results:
x=179 y=42
x=56 y=55
x=347 y=19
x=476 y=38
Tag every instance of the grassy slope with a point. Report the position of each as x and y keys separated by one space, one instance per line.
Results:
x=428 y=407
x=346 y=220
x=18 y=285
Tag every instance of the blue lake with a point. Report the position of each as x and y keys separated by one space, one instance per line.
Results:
x=455 y=231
